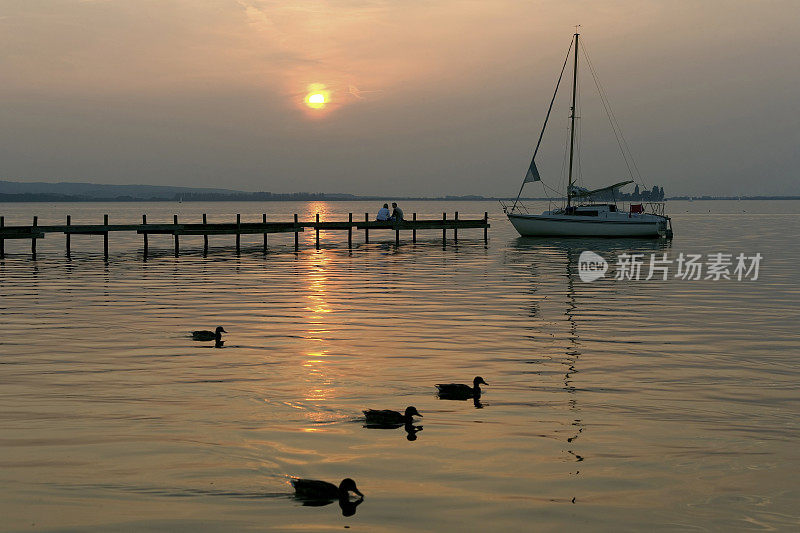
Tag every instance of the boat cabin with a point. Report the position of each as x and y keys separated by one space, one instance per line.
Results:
x=590 y=210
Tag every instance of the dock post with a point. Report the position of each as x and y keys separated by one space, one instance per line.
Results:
x=397 y=233
x=105 y=238
x=69 y=222
x=317 y=231
x=366 y=229
x=2 y=240
x=414 y=231
x=485 y=228
x=144 y=237
x=33 y=240
x=175 y=221
x=444 y=230
x=296 y=235
x=205 y=237
x=350 y=231
x=264 y=221
x=238 y=235
x=455 y=229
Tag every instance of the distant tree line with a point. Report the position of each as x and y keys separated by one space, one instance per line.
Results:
x=260 y=197
x=225 y=197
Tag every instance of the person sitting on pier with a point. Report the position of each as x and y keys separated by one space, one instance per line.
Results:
x=397 y=213
x=383 y=213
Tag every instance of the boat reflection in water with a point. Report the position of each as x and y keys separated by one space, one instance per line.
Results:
x=546 y=253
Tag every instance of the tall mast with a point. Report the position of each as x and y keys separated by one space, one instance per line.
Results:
x=572 y=119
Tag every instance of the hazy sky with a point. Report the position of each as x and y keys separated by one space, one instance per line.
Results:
x=425 y=97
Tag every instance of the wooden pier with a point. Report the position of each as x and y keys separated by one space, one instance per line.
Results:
x=238 y=228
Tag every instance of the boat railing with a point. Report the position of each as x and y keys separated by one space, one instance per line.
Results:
x=656 y=208
x=518 y=206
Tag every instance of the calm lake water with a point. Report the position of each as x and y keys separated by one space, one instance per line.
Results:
x=611 y=405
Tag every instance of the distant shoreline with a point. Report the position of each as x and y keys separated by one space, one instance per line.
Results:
x=65 y=191
x=258 y=197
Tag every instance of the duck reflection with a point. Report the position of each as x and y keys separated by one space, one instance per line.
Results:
x=315 y=493
x=387 y=419
x=410 y=429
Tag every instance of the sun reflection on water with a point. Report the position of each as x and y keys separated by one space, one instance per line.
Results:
x=319 y=379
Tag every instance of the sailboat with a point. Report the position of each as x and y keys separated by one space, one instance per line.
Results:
x=581 y=216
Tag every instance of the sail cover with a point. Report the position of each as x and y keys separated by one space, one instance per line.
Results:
x=533 y=173
x=579 y=192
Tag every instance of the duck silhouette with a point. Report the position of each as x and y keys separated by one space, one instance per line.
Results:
x=313 y=492
x=389 y=417
x=205 y=335
x=460 y=391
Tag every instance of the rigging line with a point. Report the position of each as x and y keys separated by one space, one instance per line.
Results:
x=546 y=118
x=554 y=191
x=612 y=122
x=629 y=155
x=615 y=127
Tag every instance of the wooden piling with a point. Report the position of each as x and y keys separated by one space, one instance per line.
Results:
x=296 y=235
x=264 y=221
x=444 y=230
x=33 y=240
x=317 y=231
x=350 y=231
x=68 y=235
x=177 y=244
x=366 y=230
x=105 y=238
x=397 y=233
x=238 y=235
x=485 y=228
x=2 y=240
x=144 y=238
x=205 y=237
x=455 y=229
x=414 y=231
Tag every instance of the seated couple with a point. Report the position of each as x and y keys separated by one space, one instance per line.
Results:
x=396 y=214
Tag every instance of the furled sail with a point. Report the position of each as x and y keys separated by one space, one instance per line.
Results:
x=581 y=192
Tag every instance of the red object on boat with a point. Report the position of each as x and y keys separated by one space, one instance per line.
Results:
x=637 y=208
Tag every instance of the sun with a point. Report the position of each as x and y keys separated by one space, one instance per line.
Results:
x=317 y=96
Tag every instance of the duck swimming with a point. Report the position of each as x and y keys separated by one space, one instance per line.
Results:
x=314 y=490
x=389 y=417
x=459 y=391
x=205 y=335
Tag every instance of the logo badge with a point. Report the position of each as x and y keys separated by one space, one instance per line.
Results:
x=591 y=266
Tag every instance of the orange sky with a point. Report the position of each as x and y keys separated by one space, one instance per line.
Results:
x=438 y=97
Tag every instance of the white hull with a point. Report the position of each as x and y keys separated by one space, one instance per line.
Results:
x=643 y=226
